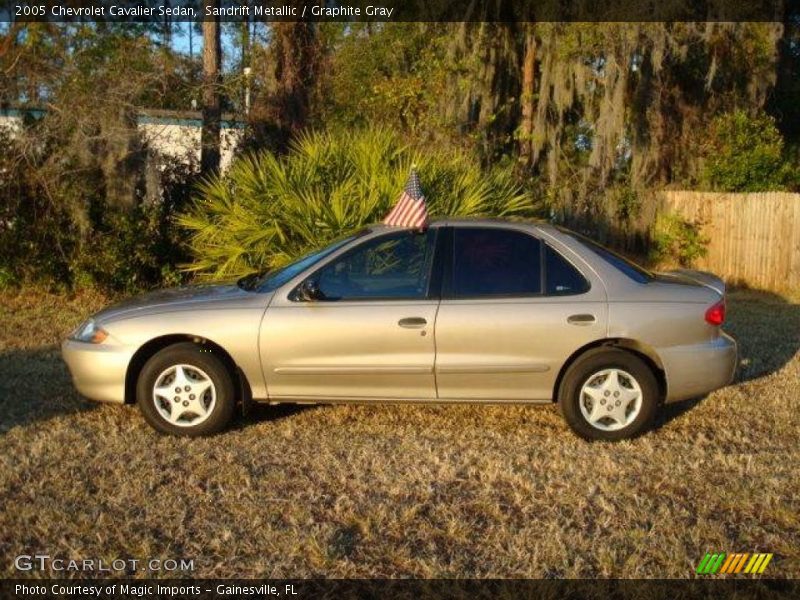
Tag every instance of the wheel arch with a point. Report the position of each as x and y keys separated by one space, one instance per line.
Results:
x=150 y=348
x=641 y=350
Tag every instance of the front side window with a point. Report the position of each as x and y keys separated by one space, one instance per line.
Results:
x=394 y=266
x=491 y=262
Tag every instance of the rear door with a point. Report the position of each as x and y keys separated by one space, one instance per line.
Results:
x=513 y=309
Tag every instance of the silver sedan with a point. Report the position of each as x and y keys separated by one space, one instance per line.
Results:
x=464 y=311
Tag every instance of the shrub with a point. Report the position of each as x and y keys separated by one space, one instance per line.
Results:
x=81 y=199
x=133 y=249
x=676 y=240
x=267 y=209
x=745 y=154
x=64 y=229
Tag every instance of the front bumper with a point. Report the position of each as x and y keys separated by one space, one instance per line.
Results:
x=98 y=370
x=700 y=368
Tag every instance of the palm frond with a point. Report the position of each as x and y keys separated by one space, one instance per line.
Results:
x=268 y=209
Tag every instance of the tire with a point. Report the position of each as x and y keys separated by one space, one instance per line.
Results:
x=609 y=394
x=197 y=393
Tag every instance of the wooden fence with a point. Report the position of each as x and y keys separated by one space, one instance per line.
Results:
x=754 y=239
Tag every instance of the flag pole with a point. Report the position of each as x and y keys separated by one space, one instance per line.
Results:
x=424 y=227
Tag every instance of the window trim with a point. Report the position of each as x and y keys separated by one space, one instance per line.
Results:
x=447 y=283
x=428 y=295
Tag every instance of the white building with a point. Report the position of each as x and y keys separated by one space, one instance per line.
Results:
x=170 y=133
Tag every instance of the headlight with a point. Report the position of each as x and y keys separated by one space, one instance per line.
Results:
x=90 y=332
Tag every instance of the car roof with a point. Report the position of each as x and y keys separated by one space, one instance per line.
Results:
x=472 y=221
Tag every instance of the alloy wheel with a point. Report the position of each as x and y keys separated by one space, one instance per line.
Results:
x=610 y=399
x=184 y=395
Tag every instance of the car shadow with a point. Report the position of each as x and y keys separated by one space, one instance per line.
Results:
x=260 y=412
x=35 y=385
x=669 y=412
x=767 y=330
x=766 y=327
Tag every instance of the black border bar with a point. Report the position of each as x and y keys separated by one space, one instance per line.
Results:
x=401 y=589
x=508 y=11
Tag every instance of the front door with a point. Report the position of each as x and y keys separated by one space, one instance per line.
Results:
x=370 y=332
x=513 y=310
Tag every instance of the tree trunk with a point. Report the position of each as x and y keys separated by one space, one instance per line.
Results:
x=244 y=36
x=212 y=103
x=166 y=31
x=297 y=59
x=244 y=41
x=526 y=100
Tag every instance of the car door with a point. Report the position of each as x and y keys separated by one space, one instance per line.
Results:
x=369 y=334
x=513 y=310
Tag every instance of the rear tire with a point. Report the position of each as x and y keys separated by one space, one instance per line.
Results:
x=609 y=394
x=185 y=390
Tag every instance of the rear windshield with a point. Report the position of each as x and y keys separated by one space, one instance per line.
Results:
x=630 y=268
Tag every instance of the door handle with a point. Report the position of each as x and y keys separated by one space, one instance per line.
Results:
x=584 y=319
x=412 y=322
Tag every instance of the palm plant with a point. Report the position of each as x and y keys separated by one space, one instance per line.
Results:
x=267 y=210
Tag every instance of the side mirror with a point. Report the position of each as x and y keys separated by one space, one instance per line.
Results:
x=309 y=291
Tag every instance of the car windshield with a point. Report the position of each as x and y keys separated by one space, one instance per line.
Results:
x=630 y=268
x=271 y=280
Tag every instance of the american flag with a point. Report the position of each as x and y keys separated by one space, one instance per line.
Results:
x=410 y=210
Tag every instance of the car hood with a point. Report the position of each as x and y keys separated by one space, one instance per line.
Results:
x=181 y=298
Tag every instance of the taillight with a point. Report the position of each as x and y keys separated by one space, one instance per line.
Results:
x=715 y=315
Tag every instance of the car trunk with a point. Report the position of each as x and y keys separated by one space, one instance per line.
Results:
x=693 y=277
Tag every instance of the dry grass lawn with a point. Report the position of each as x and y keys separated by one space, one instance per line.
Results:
x=386 y=491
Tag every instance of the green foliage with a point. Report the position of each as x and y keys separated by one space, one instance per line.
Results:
x=624 y=202
x=393 y=76
x=676 y=240
x=267 y=210
x=130 y=249
x=745 y=154
x=7 y=278
x=446 y=84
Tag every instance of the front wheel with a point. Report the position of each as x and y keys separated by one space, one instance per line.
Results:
x=609 y=394
x=185 y=390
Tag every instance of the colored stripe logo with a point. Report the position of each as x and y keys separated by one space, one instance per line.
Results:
x=740 y=562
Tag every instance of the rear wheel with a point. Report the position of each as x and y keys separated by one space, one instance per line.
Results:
x=609 y=394
x=185 y=390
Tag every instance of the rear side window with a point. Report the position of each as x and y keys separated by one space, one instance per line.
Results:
x=489 y=262
x=562 y=279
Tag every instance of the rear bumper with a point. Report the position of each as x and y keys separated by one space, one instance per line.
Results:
x=98 y=371
x=699 y=369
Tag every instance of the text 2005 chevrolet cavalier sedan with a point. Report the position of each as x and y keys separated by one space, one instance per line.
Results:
x=464 y=311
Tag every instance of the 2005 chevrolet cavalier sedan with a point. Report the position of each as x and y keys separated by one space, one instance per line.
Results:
x=463 y=311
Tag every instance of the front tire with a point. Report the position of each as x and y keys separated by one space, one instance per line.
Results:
x=185 y=390
x=609 y=394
